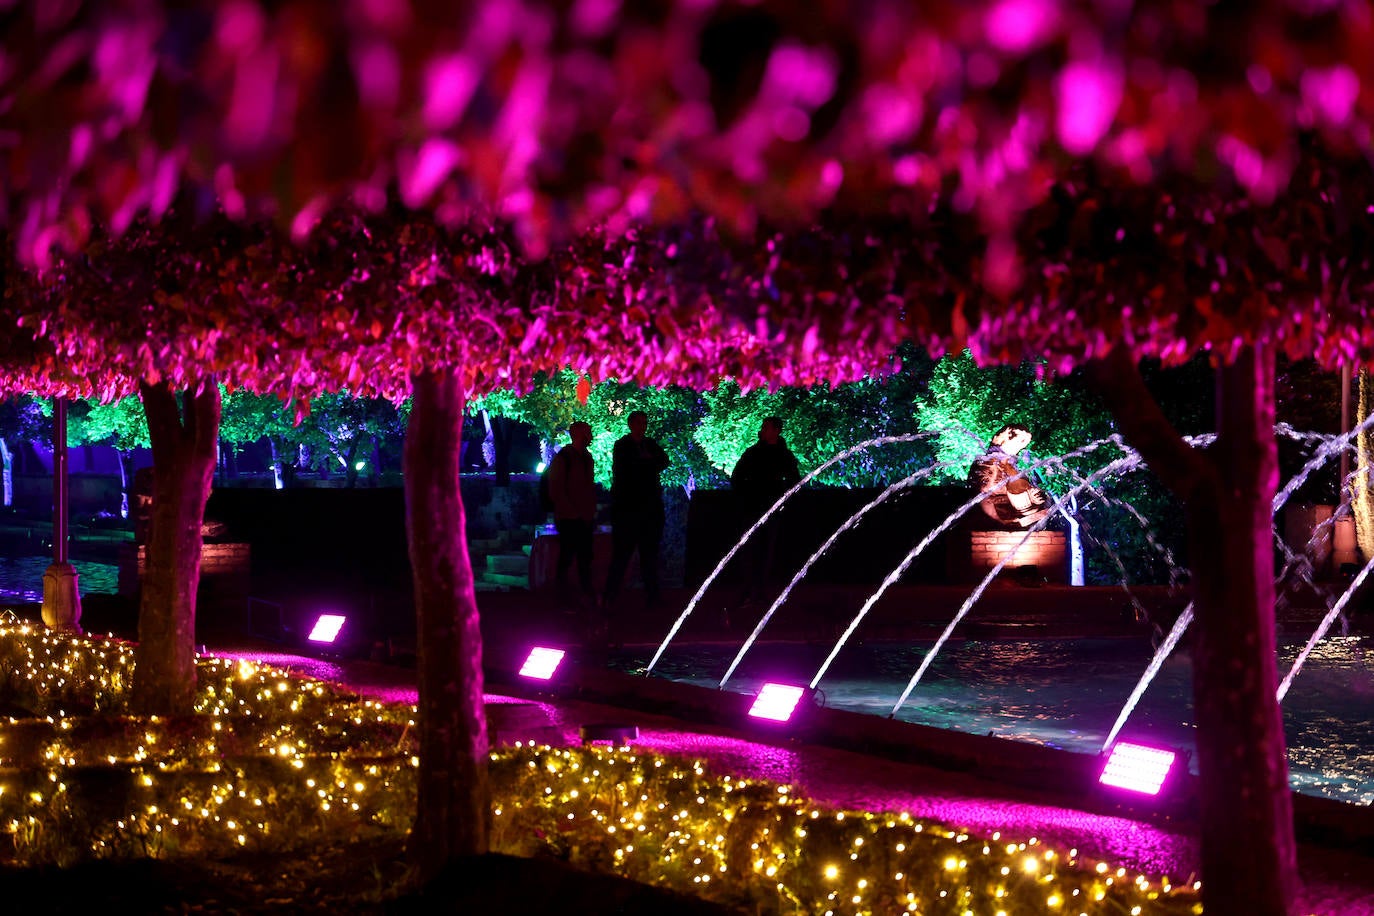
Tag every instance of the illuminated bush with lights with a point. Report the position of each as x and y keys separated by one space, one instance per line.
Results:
x=277 y=761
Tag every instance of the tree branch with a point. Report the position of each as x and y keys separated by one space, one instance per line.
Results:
x=164 y=420
x=1116 y=378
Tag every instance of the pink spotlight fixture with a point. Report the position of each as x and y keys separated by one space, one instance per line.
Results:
x=541 y=663
x=776 y=702
x=1137 y=767
x=327 y=627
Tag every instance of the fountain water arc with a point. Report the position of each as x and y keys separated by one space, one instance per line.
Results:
x=1328 y=447
x=1166 y=648
x=1165 y=553
x=1317 y=635
x=902 y=567
x=853 y=520
x=1056 y=462
x=781 y=501
x=1327 y=450
x=1117 y=466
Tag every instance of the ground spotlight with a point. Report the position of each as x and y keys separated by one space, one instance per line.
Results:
x=541 y=663
x=1137 y=768
x=776 y=702
x=326 y=628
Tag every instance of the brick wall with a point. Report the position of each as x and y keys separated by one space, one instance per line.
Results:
x=215 y=560
x=224 y=559
x=225 y=577
x=973 y=553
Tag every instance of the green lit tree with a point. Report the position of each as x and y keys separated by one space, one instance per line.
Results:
x=120 y=424
x=674 y=414
x=21 y=419
x=548 y=406
x=249 y=417
x=820 y=421
x=347 y=432
x=552 y=404
x=966 y=404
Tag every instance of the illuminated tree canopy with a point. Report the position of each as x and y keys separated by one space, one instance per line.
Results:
x=567 y=114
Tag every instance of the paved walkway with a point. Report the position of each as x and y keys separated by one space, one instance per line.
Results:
x=1337 y=881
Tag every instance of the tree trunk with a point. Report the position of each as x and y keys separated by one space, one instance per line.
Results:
x=350 y=466
x=284 y=471
x=1249 y=861
x=8 y=472
x=454 y=806
x=123 y=482
x=502 y=430
x=183 y=445
x=1361 y=494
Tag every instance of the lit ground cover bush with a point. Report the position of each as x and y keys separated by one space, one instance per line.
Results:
x=272 y=762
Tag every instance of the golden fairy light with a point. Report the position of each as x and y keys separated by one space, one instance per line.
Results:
x=273 y=760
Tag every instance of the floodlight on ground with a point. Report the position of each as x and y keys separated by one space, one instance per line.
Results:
x=776 y=702
x=326 y=628
x=1137 y=768
x=541 y=663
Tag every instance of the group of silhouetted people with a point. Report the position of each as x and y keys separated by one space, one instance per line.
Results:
x=636 y=508
x=765 y=471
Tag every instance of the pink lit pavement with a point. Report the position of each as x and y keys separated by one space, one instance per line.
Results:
x=1338 y=876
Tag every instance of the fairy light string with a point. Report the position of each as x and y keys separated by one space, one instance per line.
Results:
x=272 y=761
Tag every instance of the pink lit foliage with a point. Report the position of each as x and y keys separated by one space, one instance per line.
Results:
x=370 y=301
x=557 y=116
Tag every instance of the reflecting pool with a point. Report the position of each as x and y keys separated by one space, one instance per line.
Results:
x=21 y=578
x=1067 y=693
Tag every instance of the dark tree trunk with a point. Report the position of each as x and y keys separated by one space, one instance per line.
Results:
x=454 y=806
x=183 y=445
x=123 y=481
x=1361 y=493
x=350 y=466
x=501 y=431
x=1249 y=860
x=221 y=462
x=286 y=470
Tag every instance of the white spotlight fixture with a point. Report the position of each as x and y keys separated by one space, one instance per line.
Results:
x=541 y=663
x=1137 y=767
x=327 y=627
x=776 y=702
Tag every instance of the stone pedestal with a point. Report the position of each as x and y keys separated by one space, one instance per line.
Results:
x=973 y=552
x=1346 y=551
x=61 y=599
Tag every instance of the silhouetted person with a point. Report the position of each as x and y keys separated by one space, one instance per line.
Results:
x=636 y=507
x=572 y=487
x=1011 y=500
x=765 y=471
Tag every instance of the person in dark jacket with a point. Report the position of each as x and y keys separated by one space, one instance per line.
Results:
x=765 y=471
x=636 y=507
x=572 y=488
